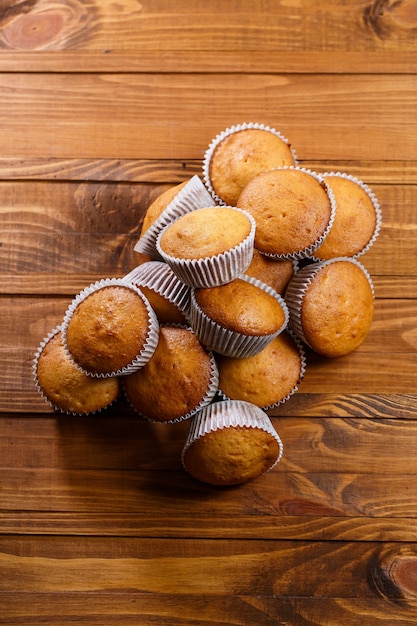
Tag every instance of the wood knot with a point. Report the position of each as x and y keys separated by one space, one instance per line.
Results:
x=46 y=25
x=390 y=19
x=393 y=573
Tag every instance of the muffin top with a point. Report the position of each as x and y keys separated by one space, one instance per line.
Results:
x=240 y=156
x=266 y=378
x=273 y=272
x=291 y=208
x=337 y=309
x=108 y=329
x=205 y=232
x=355 y=219
x=159 y=205
x=232 y=455
x=66 y=387
x=242 y=307
x=180 y=375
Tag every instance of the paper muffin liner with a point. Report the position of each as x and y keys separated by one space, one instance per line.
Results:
x=298 y=287
x=229 y=414
x=226 y=133
x=159 y=277
x=229 y=342
x=152 y=334
x=301 y=352
x=36 y=358
x=375 y=203
x=207 y=398
x=308 y=251
x=214 y=270
x=193 y=195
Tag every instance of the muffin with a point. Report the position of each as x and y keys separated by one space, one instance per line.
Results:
x=238 y=154
x=209 y=246
x=292 y=209
x=64 y=386
x=238 y=318
x=266 y=379
x=331 y=305
x=172 y=204
x=357 y=219
x=167 y=295
x=230 y=443
x=110 y=328
x=180 y=378
x=276 y=273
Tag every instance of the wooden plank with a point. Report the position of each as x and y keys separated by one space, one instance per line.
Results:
x=151 y=117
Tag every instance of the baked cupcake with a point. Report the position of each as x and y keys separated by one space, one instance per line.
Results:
x=293 y=211
x=209 y=246
x=167 y=295
x=180 y=378
x=276 y=273
x=357 y=219
x=239 y=318
x=268 y=378
x=64 y=386
x=238 y=154
x=175 y=202
x=331 y=305
x=230 y=443
x=110 y=328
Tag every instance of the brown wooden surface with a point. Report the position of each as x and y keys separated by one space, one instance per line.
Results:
x=103 y=106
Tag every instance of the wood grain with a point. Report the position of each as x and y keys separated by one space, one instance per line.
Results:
x=103 y=106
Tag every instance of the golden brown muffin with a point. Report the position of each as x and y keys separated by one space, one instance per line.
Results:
x=355 y=222
x=267 y=378
x=273 y=272
x=242 y=307
x=180 y=377
x=292 y=211
x=240 y=156
x=167 y=312
x=64 y=386
x=331 y=306
x=109 y=328
x=230 y=443
x=205 y=232
x=159 y=205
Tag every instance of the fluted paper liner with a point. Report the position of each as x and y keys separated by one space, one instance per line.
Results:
x=214 y=270
x=225 y=133
x=298 y=286
x=376 y=205
x=193 y=195
x=159 y=277
x=152 y=335
x=36 y=358
x=229 y=414
x=229 y=342
x=205 y=400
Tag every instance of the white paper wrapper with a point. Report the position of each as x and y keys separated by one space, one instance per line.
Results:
x=192 y=196
x=298 y=287
x=37 y=356
x=229 y=342
x=301 y=352
x=159 y=277
x=207 y=398
x=152 y=334
x=228 y=414
x=220 y=137
x=215 y=270
x=376 y=205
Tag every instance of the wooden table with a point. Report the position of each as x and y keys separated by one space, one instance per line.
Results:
x=103 y=106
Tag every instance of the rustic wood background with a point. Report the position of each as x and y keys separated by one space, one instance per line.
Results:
x=104 y=105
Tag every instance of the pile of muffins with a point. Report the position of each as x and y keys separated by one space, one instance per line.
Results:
x=239 y=272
